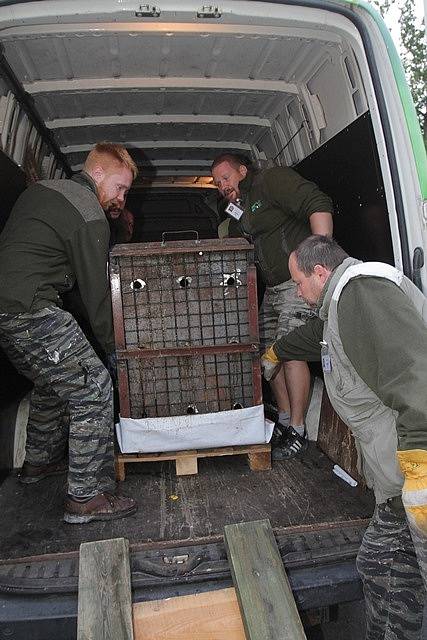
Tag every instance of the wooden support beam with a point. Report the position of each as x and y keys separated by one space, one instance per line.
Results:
x=186 y=466
x=120 y=469
x=260 y=461
x=105 y=599
x=267 y=605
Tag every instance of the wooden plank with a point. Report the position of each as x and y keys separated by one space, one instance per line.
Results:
x=186 y=465
x=104 y=599
x=213 y=615
x=265 y=597
x=201 y=453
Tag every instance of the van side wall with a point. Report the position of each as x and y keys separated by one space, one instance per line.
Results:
x=347 y=168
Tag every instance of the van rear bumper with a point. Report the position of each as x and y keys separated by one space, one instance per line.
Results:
x=38 y=597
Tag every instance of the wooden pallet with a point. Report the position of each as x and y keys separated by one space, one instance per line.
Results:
x=259 y=458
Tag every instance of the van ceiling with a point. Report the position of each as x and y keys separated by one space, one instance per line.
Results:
x=182 y=87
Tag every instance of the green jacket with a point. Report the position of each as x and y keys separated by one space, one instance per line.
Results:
x=56 y=235
x=385 y=339
x=277 y=205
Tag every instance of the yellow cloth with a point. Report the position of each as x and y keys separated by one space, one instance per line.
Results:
x=413 y=464
x=270 y=364
x=270 y=356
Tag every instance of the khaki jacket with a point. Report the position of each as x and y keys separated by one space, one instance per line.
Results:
x=373 y=424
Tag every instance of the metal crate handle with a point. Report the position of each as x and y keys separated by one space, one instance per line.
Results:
x=174 y=233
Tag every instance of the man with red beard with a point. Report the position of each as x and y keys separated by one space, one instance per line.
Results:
x=121 y=225
x=57 y=236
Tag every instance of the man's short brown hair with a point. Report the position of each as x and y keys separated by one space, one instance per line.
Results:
x=235 y=159
x=317 y=249
x=110 y=153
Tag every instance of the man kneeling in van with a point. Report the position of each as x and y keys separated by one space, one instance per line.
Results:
x=58 y=235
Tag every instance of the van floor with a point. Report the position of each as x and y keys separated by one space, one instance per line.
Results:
x=186 y=508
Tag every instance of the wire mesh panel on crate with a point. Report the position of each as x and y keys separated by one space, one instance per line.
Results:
x=176 y=386
x=172 y=299
x=186 y=327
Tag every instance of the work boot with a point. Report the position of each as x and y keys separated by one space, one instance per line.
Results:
x=30 y=473
x=291 y=445
x=103 y=506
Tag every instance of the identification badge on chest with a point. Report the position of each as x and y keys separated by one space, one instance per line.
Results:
x=234 y=210
x=326 y=358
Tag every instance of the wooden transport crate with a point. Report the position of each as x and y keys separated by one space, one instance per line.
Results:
x=186 y=327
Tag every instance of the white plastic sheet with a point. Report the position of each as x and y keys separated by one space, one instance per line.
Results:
x=196 y=431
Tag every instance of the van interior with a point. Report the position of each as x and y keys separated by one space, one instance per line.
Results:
x=286 y=84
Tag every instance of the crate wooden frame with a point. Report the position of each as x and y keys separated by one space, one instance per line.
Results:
x=248 y=346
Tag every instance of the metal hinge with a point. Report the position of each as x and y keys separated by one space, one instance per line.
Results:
x=145 y=11
x=209 y=11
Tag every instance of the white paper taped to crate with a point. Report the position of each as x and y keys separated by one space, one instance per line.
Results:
x=195 y=431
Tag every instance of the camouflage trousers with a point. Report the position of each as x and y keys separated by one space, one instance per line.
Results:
x=282 y=310
x=392 y=583
x=71 y=406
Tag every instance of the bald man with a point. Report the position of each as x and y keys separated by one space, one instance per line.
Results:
x=57 y=235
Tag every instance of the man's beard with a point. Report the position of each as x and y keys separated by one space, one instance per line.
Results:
x=113 y=211
x=232 y=194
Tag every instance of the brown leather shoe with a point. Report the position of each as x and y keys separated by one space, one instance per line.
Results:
x=103 y=506
x=30 y=473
